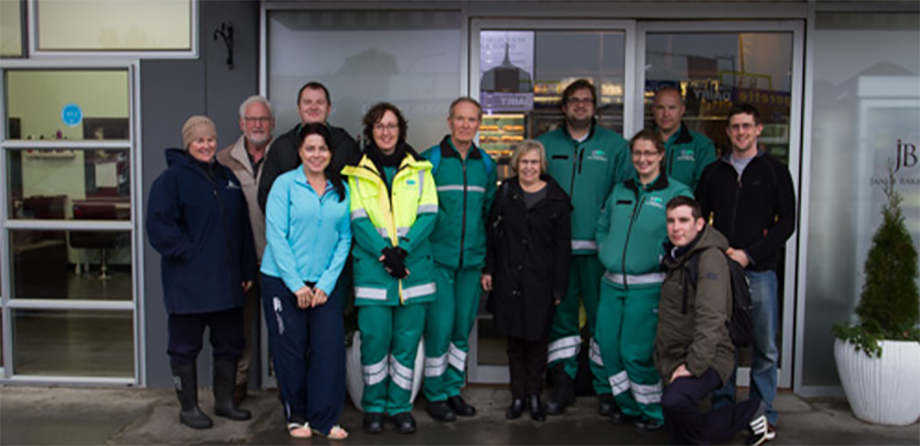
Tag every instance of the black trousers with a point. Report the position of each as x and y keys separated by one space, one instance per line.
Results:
x=680 y=404
x=186 y=331
x=527 y=364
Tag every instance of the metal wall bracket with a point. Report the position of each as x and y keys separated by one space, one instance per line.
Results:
x=226 y=32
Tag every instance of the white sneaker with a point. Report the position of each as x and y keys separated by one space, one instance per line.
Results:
x=759 y=427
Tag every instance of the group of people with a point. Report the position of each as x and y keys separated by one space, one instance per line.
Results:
x=413 y=239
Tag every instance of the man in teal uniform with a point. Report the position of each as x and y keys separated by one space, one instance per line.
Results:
x=465 y=178
x=587 y=161
x=687 y=152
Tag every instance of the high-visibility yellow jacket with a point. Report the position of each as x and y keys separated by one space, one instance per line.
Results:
x=401 y=215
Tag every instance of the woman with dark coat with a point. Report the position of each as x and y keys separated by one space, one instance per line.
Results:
x=197 y=219
x=527 y=269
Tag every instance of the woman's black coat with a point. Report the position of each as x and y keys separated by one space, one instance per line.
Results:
x=529 y=255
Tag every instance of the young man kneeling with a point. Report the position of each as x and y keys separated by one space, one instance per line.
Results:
x=693 y=350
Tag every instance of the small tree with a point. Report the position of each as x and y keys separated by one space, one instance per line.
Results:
x=889 y=306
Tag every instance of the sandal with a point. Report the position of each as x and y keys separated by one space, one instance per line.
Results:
x=336 y=433
x=298 y=430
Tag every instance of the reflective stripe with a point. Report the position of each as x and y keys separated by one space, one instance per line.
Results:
x=427 y=208
x=563 y=348
x=567 y=341
x=646 y=393
x=460 y=188
x=401 y=232
x=419 y=290
x=642 y=279
x=457 y=357
x=619 y=383
x=435 y=366
x=371 y=293
x=421 y=182
x=375 y=373
x=358 y=213
x=590 y=245
x=383 y=232
x=595 y=353
x=401 y=382
x=562 y=353
x=400 y=374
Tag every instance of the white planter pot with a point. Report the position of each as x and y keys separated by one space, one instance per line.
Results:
x=882 y=390
x=355 y=378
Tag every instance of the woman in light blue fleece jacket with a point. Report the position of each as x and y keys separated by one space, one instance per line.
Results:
x=308 y=230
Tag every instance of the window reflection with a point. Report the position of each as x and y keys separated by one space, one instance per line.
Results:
x=73 y=343
x=717 y=70
x=69 y=184
x=88 y=265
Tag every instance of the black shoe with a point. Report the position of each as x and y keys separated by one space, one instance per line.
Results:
x=606 y=405
x=185 y=377
x=460 y=407
x=515 y=410
x=373 y=423
x=440 y=411
x=646 y=426
x=536 y=408
x=563 y=392
x=618 y=417
x=224 y=382
x=405 y=423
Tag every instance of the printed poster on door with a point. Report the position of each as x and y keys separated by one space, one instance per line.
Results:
x=506 y=70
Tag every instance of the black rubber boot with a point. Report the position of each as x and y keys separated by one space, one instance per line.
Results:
x=224 y=382
x=563 y=394
x=536 y=409
x=185 y=378
x=515 y=410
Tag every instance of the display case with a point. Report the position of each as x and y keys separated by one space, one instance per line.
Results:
x=498 y=135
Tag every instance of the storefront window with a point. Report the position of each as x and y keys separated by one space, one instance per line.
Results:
x=105 y=25
x=54 y=184
x=409 y=58
x=866 y=116
x=715 y=70
x=11 y=28
x=73 y=343
x=523 y=73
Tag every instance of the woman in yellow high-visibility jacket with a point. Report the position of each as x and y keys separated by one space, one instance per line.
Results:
x=394 y=206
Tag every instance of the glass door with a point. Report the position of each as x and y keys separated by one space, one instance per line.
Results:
x=67 y=213
x=716 y=65
x=518 y=71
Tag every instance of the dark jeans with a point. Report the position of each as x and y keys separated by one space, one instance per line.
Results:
x=527 y=364
x=186 y=330
x=683 y=420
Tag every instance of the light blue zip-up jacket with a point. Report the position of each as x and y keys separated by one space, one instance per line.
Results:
x=308 y=235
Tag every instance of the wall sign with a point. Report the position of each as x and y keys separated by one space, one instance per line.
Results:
x=72 y=115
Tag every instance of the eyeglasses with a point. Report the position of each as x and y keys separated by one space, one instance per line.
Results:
x=580 y=100
x=387 y=127
x=259 y=119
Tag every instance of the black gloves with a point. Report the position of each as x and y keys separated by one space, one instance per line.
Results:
x=394 y=261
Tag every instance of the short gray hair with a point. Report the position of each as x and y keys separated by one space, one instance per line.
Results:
x=526 y=146
x=256 y=99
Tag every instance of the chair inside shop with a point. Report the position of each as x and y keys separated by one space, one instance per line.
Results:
x=101 y=240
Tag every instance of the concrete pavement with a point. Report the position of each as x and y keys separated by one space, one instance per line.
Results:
x=77 y=416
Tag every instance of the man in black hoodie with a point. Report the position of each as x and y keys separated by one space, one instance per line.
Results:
x=749 y=197
x=314 y=105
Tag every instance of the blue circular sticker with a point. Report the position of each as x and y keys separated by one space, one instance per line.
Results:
x=72 y=115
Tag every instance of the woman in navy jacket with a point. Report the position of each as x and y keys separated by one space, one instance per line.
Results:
x=308 y=228
x=198 y=221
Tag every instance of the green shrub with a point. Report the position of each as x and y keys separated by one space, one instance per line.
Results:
x=889 y=305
